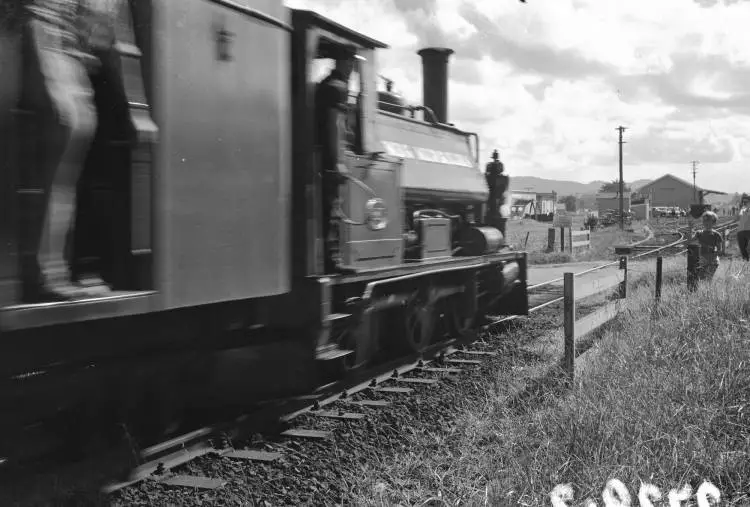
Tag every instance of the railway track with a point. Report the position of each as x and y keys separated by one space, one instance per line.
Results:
x=665 y=244
x=346 y=401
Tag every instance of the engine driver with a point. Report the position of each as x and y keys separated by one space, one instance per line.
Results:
x=331 y=105
x=498 y=185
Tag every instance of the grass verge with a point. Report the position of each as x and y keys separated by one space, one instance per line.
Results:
x=664 y=399
x=603 y=242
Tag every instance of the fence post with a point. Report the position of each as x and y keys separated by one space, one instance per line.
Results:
x=551 y=239
x=659 y=261
x=624 y=283
x=570 y=239
x=562 y=239
x=569 y=324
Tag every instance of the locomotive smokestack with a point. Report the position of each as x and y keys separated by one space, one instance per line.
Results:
x=435 y=80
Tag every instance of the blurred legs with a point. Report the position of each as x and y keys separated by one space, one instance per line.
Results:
x=69 y=89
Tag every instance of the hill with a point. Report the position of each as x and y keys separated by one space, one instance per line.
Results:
x=562 y=187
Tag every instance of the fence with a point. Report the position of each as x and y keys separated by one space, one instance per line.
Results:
x=574 y=329
x=568 y=239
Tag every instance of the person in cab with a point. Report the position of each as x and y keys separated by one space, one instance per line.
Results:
x=331 y=111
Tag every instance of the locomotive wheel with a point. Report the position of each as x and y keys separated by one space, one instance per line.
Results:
x=461 y=321
x=420 y=324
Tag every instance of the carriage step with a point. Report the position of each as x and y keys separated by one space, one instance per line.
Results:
x=332 y=354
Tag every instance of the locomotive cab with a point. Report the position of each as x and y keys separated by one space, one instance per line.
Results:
x=370 y=226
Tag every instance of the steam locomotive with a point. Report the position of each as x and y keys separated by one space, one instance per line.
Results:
x=208 y=226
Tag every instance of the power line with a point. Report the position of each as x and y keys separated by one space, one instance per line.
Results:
x=622 y=184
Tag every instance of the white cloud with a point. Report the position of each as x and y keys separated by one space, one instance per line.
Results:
x=449 y=21
x=552 y=104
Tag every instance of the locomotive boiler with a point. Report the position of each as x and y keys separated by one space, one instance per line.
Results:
x=207 y=225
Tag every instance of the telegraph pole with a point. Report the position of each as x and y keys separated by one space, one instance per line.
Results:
x=695 y=170
x=622 y=184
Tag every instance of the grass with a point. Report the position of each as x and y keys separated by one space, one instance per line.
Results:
x=664 y=399
x=531 y=236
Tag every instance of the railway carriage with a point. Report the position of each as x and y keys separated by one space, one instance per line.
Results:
x=207 y=224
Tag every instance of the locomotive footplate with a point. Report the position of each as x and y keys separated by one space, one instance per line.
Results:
x=116 y=304
x=424 y=266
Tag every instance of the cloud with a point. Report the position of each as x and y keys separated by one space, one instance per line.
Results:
x=712 y=3
x=660 y=145
x=696 y=81
x=538 y=89
x=526 y=56
x=548 y=81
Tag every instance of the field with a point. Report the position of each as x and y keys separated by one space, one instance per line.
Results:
x=531 y=236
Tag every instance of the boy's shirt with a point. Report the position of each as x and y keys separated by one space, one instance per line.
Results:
x=744 y=219
x=710 y=242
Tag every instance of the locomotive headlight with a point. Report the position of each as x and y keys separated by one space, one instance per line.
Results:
x=376 y=214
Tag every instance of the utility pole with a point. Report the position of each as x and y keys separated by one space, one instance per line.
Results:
x=695 y=170
x=622 y=183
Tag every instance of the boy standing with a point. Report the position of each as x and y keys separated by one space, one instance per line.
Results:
x=743 y=227
x=710 y=245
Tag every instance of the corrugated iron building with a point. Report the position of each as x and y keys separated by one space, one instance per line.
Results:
x=669 y=190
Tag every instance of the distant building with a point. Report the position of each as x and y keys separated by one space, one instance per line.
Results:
x=540 y=206
x=545 y=203
x=522 y=204
x=669 y=190
x=587 y=201
x=611 y=200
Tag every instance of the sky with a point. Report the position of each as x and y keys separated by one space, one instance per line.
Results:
x=548 y=81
